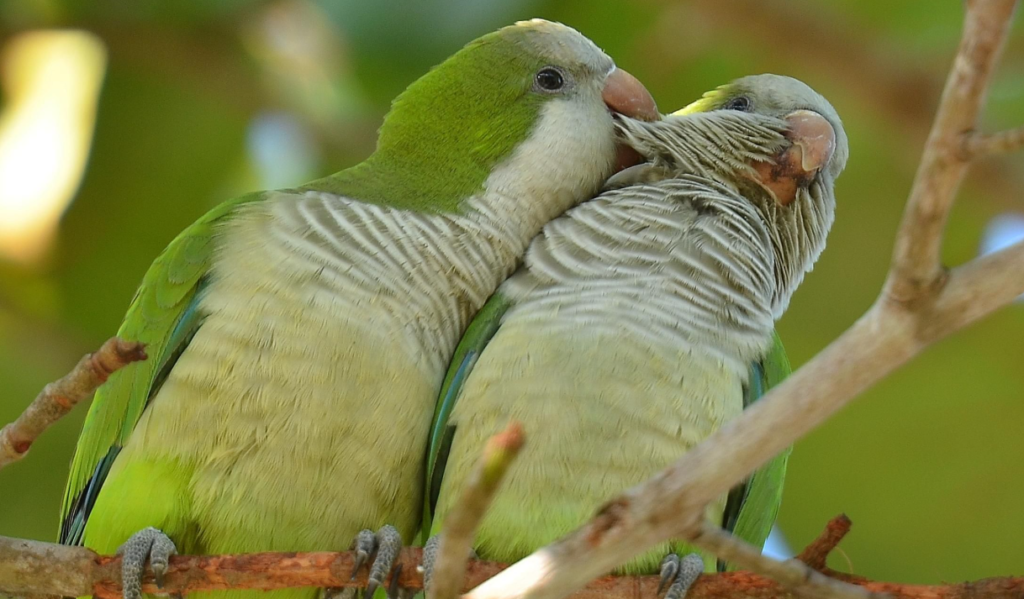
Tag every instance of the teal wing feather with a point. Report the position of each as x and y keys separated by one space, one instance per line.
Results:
x=753 y=506
x=164 y=315
x=477 y=336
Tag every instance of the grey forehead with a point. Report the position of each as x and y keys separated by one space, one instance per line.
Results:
x=779 y=91
x=564 y=45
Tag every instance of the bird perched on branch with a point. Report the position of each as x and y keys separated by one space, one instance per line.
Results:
x=299 y=338
x=642 y=321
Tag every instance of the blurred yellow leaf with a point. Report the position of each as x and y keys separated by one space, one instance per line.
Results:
x=52 y=82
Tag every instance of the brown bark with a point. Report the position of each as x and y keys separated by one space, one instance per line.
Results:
x=30 y=567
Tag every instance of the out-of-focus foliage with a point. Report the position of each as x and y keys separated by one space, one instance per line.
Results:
x=205 y=100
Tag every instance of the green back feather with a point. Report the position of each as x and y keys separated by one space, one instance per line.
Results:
x=753 y=506
x=477 y=336
x=163 y=315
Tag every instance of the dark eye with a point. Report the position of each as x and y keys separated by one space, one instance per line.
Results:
x=549 y=79
x=738 y=103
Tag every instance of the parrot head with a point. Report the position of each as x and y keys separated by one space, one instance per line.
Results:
x=531 y=102
x=795 y=192
x=814 y=126
x=776 y=141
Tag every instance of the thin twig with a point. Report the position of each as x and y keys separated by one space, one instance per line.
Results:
x=794 y=574
x=816 y=554
x=975 y=290
x=60 y=396
x=461 y=522
x=983 y=144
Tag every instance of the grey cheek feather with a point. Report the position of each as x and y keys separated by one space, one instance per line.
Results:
x=799 y=233
x=718 y=145
x=679 y=252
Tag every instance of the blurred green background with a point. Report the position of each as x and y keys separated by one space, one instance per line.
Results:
x=167 y=108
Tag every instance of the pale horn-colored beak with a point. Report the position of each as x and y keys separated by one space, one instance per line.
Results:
x=814 y=142
x=624 y=94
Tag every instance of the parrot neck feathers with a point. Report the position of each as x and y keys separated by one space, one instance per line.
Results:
x=798 y=233
x=540 y=178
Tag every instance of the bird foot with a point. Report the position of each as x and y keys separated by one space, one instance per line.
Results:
x=383 y=546
x=426 y=567
x=679 y=574
x=149 y=543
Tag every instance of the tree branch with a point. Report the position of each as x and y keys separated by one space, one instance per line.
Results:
x=916 y=260
x=794 y=574
x=815 y=554
x=35 y=568
x=59 y=397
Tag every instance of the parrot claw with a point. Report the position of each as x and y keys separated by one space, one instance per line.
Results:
x=393 y=588
x=149 y=543
x=384 y=546
x=364 y=545
x=679 y=574
x=426 y=567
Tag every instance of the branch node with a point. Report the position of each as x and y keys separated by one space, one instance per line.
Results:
x=816 y=553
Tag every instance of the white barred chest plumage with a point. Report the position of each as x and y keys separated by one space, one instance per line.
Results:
x=328 y=327
x=660 y=261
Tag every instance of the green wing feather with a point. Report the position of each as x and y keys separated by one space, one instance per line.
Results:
x=164 y=315
x=752 y=507
x=479 y=333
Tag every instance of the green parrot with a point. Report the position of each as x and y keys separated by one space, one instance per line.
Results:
x=642 y=320
x=298 y=338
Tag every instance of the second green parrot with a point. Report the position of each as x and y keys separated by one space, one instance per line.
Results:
x=642 y=320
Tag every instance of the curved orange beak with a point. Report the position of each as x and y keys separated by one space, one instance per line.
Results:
x=624 y=94
x=814 y=142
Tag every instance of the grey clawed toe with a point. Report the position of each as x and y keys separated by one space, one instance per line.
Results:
x=679 y=574
x=147 y=544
